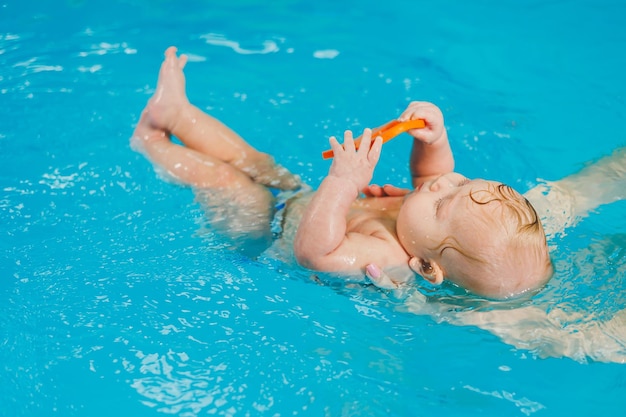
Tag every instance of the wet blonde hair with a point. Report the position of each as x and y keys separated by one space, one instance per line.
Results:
x=512 y=259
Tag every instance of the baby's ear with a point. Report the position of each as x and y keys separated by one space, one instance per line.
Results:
x=429 y=270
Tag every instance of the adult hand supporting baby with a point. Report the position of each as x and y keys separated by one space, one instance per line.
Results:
x=379 y=278
x=387 y=190
x=396 y=277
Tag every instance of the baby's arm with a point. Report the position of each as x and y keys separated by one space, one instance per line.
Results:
x=562 y=203
x=322 y=241
x=431 y=155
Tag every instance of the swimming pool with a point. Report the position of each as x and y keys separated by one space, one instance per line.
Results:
x=116 y=298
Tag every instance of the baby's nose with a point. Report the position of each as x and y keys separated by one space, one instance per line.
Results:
x=440 y=182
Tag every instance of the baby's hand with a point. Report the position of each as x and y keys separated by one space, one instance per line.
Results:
x=352 y=164
x=432 y=116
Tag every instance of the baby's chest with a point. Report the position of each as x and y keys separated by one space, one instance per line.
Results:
x=371 y=224
x=385 y=249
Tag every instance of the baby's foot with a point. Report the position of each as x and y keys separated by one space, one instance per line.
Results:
x=169 y=99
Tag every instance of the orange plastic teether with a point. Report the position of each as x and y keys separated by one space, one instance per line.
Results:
x=387 y=132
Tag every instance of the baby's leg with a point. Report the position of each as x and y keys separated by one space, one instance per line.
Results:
x=169 y=110
x=235 y=204
x=185 y=164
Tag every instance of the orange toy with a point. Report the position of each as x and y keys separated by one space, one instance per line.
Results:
x=387 y=132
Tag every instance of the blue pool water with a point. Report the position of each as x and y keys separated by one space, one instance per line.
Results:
x=117 y=301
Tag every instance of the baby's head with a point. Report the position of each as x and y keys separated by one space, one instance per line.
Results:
x=481 y=235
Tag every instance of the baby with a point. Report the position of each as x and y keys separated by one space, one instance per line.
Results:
x=480 y=235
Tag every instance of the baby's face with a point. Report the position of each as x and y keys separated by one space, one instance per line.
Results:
x=428 y=214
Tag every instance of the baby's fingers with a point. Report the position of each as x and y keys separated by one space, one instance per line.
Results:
x=374 y=152
x=348 y=141
x=419 y=110
x=366 y=142
x=368 y=148
x=335 y=145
